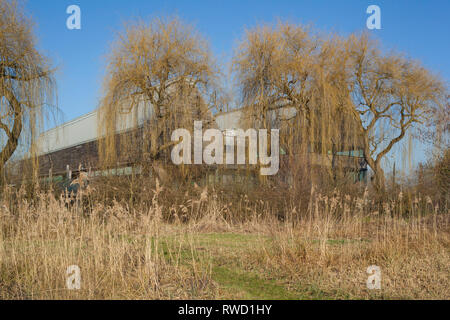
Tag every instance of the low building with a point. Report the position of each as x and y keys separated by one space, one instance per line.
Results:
x=73 y=146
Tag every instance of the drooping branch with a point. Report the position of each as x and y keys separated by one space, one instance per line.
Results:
x=162 y=76
x=26 y=84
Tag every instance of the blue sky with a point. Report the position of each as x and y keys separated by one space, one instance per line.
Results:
x=418 y=28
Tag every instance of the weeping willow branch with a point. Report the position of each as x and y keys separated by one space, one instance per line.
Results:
x=160 y=77
x=340 y=93
x=26 y=83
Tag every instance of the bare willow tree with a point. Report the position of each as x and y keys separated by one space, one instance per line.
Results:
x=26 y=83
x=343 y=94
x=392 y=96
x=161 y=77
x=287 y=79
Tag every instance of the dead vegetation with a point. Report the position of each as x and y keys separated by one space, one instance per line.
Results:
x=205 y=245
x=307 y=233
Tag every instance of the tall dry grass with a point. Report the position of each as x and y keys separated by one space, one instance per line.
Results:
x=332 y=252
x=153 y=251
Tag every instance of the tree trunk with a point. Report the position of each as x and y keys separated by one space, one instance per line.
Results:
x=378 y=179
x=155 y=134
x=14 y=134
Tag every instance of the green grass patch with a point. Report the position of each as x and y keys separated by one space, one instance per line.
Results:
x=248 y=285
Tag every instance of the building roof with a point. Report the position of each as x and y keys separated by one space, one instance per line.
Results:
x=84 y=129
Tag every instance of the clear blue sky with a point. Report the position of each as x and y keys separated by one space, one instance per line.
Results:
x=420 y=28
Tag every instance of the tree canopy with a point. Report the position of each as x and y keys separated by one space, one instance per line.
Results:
x=163 y=68
x=27 y=87
x=343 y=92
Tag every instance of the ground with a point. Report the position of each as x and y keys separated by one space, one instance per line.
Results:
x=130 y=254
